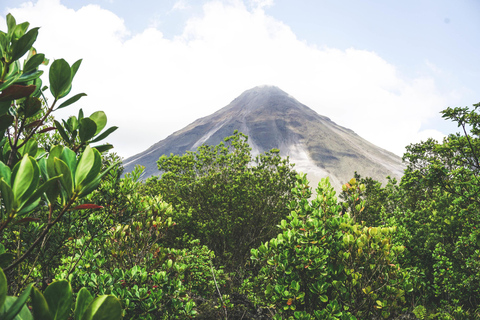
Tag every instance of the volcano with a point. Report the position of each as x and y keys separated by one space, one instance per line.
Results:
x=271 y=118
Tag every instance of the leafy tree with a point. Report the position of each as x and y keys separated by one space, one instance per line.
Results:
x=41 y=187
x=225 y=197
x=435 y=208
x=324 y=266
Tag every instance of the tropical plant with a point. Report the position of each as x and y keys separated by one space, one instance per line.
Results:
x=41 y=188
x=324 y=266
x=225 y=197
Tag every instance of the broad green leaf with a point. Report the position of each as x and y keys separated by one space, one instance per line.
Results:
x=84 y=298
x=94 y=184
x=35 y=177
x=7 y=195
x=20 y=30
x=86 y=165
x=11 y=23
x=29 y=148
x=87 y=129
x=73 y=99
x=66 y=179
x=60 y=77
x=3 y=287
x=105 y=134
x=22 y=45
x=59 y=297
x=72 y=124
x=5 y=173
x=100 y=120
x=47 y=187
x=40 y=307
x=33 y=63
x=23 y=177
x=70 y=158
x=103 y=308
x=55 y=152
x=13 y=306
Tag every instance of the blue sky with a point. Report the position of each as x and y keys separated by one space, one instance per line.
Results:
x=382 y=68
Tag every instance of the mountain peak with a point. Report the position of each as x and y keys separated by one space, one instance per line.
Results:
x=271 y=118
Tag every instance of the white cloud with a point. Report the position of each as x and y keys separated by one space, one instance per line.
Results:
x=151 y=86
x=180 y=5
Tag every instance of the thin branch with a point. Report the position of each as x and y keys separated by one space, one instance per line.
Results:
x=218 y=290
x=42 y=235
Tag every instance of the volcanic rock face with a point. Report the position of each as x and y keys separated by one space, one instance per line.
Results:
x=273 y=119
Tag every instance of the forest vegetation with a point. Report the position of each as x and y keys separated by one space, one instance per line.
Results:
x=222 y=234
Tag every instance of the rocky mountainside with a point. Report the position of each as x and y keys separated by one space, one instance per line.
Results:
x=273 y=119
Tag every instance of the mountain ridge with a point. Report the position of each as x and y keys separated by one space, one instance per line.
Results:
x=274 y=119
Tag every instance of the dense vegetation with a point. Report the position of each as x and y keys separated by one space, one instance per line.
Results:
x=221 y=234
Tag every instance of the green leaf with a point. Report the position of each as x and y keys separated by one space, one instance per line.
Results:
x=55 y=152
x=20 y=30
x=23 y=180
x=33 y=63
x=35 y=198
x=105 y=134
x=5 y=173
x=60 y=78
x=103 y=308
x=40 y=307
x=11 y=23
x=13 y=306
x=22 y=45
x=75 y=67
x=66 y=178
x=26 y=77
x=70 y=158
x=84 y=298
x=59 y=297
x=100 y=120
x=3 y=287
x=87 y=129
x=94 y=184
x=88 y=167
x=62 y=132
x=72 y=100
x=104 y=147
x=7 y=195
x=29 y=148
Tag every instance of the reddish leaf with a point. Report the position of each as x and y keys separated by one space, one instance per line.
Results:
x=47 y=129
x=25 y=220
x=87 y=206
x=34 y=123
x=16 y=91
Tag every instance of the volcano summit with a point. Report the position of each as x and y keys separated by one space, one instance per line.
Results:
x=273 y=119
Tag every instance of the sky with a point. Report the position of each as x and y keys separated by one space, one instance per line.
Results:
x=384 y=69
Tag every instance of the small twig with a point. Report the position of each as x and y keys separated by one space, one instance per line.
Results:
x=218 y=290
